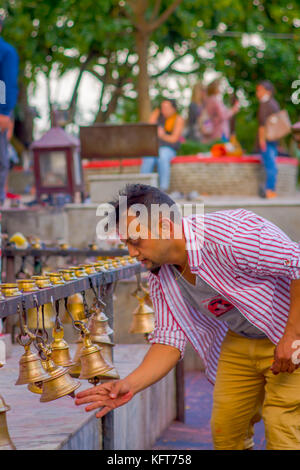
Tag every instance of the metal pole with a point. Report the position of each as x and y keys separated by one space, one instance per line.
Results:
x=108 y=420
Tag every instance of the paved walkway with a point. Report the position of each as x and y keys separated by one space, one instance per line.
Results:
x=195 y=432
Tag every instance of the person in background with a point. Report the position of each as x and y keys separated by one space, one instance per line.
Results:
x=170 y=128
x=195 y=109
x=267 y=106
x=9 y=63
x=216 y=116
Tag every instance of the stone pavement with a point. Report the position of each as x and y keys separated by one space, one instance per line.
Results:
x=195 y=433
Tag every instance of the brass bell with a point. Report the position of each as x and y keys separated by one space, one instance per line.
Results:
x=106 y=352
x=42 y=281
x=5 y=440
x=48 y=317
x=89 y=268
x=55 y=278
x=143 y=319
x=60 y=353
x=75 y=370
x=36 y=387
x=98 y=323
x=59 y=384
x=92 y=362
x=76 y=307
x=30 y=368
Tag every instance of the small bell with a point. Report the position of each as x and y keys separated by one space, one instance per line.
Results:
x=60 y=353
x=76 y=307
x=5 y=440
x=30 y=368
x=92 y=362
x=59 y=384
x=143 y=319
x=98 y=322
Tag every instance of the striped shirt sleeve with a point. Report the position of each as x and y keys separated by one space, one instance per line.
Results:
x=262 y=248
x=167 y=331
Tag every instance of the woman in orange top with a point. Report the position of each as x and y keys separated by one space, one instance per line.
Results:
x=170 y=128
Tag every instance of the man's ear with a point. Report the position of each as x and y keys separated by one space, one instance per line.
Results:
x=166 y=228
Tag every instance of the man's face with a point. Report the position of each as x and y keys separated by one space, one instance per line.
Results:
x=151 y=252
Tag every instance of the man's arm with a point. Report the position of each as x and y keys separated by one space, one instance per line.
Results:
x=159 y=360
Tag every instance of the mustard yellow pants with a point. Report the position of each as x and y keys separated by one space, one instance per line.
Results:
x=246 y=390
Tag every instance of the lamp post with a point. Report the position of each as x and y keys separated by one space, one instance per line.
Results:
x=57 y=164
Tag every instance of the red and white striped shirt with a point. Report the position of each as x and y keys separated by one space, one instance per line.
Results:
x=245 y=258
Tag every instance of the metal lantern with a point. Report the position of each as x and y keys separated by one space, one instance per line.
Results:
x=57 y=164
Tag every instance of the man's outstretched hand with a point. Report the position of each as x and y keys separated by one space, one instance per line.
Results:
x=107 y=396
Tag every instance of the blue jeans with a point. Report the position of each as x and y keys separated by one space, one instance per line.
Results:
x=4 y=165
x=269 y=161
x=165 y=155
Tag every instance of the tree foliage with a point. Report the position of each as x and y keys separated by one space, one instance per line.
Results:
x=113 y=40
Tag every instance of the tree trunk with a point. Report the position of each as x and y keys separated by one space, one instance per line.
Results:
x=144 y=104
x=24 y=120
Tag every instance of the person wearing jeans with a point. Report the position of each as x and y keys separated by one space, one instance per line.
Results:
x=165 y=156
x=269 y=160
x=9 y=63
x=170 y=127
x=267 y=106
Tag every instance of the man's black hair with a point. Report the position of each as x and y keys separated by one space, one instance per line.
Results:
x=146 y=195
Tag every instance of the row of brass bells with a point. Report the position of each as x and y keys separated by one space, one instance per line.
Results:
x=143 y=318
x=5 y=440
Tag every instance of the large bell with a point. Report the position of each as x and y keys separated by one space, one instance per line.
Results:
x=48 y=317
x=60 y=352
x=98 y=323
x=30 y=368
x=92 y=362
x=5 y=440
x=143 y=319
x=37 y=387
x=59 y=384
x=76 y=307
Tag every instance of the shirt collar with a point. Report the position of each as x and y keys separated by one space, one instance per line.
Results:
x=194 y=236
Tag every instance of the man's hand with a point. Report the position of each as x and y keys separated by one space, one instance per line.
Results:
x=285 y=354
x=5 y=122
x=109 y=395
